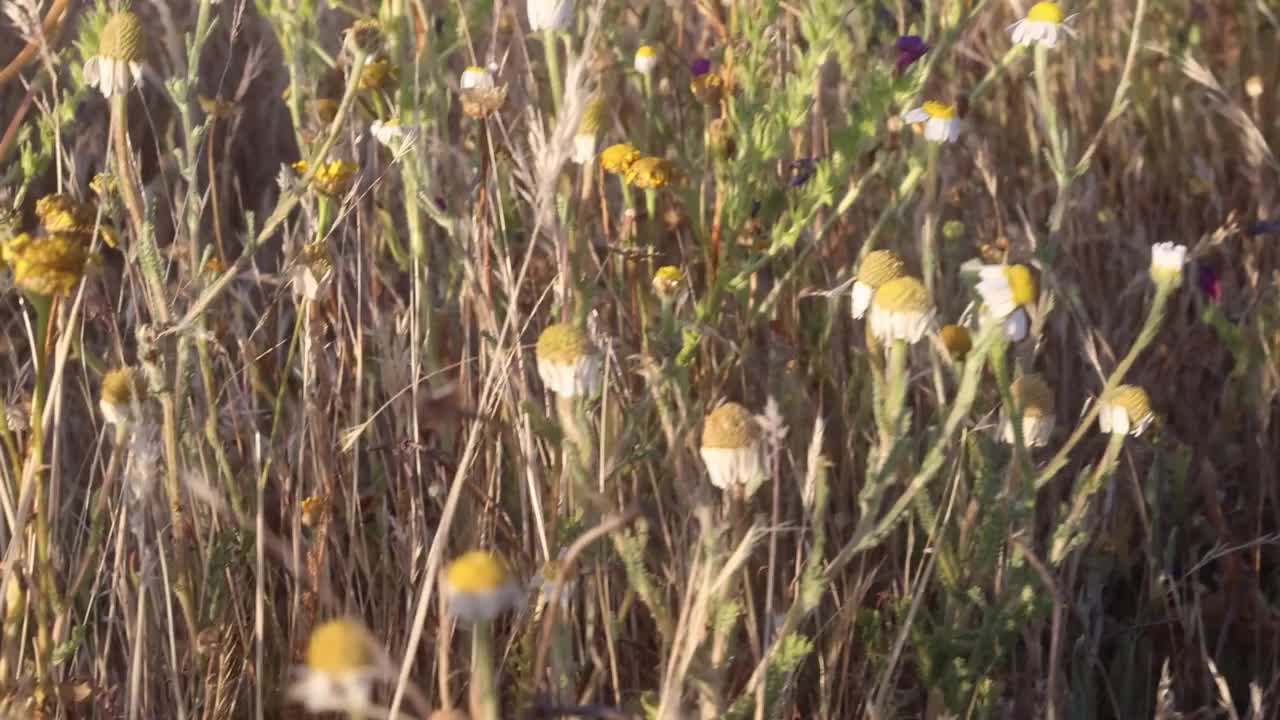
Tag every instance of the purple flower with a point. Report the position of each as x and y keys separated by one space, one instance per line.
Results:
x=1209 y=283
x=701 y=66
x=801 y=171
x=910 y=49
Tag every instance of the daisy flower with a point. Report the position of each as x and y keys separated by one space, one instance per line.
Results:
x=117 y=68
x=669 y=283
x=1044 y=24
x=876 y=269
x=550 y=14
x=568 y=362
x=941 y=124
x=1167 y=260
x=646 y=59
x=1007 y=291
x=900 y=310
x=123 y=392
x=1034 y=398
x=479 y=587
x=732 y=451
x=341 y=664
x=1126 y=410
x=477 y=78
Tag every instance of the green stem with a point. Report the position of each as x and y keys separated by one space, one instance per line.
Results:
x=1066 y=534
x=553 y=68
x=483 y=691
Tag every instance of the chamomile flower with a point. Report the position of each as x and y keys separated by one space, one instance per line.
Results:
x=1126 y=410
x=669 y=283
x=876 y=269
x=332 y=179
x=117 y=67
x=391 y=134
x=1167 y=260
x=47 y=264
x=646 y=59
x=1044 y=24
x=648 y=173
x=378 y=75
x=477 y=78
x=618 y=159
x=900 y=310
x=342 y=661
x=584 y=141
x=1035 y=399
x=732 y=451
x=1007 y=291
x=311 y=270
x=479 y=587
x=568 y=362
x=550 y=14
x=941 y=123
x=123 y=394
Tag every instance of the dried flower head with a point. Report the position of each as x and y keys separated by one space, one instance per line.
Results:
x=732 y=451
x=618 y=159
x=378 y=75
x=957 y=340
x=47 y=264
x=311 y=270
x=568 y=362
x=117 y=67
x=342 y=661
x=708 y=87
x=876 y=269
x=332 y=179
x=1035 y=399
x=478 y=587
x=124 y=392
x=60 y=213
x=900 y=310
x=1126 y=410
x=648 y=173
x=364 y=35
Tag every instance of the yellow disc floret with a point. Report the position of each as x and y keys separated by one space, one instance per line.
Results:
x=1046 y=12
x=957 y=340
x=648 y=173
x=939 y=111
x=48 y=264
x=478 y=571
x=1033 y=395
x=668 y=281
x=1134 y=400
x=122 y=387
x=902 y=295
x=563 y=343
x=879 y=267
x=1022 y=284
x=340 y=646
x=121 y=38
x=730 y=426
x=619 y=158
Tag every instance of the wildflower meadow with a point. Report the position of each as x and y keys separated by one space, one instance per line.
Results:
x=639 y=359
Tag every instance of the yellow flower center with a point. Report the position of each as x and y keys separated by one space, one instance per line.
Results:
x=1134 y=400
x=903 y=295
x=563 y=343
x=1022 y=283
x=1046 y=12
x=120 y=386
x=957 y=340
x=478 y=571
x=619 y=158
x=940 y=111
x=646 y=52
x=121 y=38
x=648 y=173
x=730 y=426
x=668 y=280
x=1033 y=395
x=339 y=646
x=879 y=267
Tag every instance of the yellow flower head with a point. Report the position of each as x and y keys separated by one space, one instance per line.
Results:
x=939 y=111
x=48 y=264
x=900 y=310
x=323 y=109
x=1126 y=410
x=730 y=426
x=340 y=647
x=1033 y=395
x=668 y=282
x=333 y=179
x=479 y=586
x=707 y=88
x=879 y=267
x=60 y=213
x=902 y=295
x=618 y=159
x=957 y=340
x=1047 y=12
x=592 y=117
x=122 y=38
x=649 y=173
x=377 y=75
x=563 y=343
x=646 y=59
x=122 y=390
